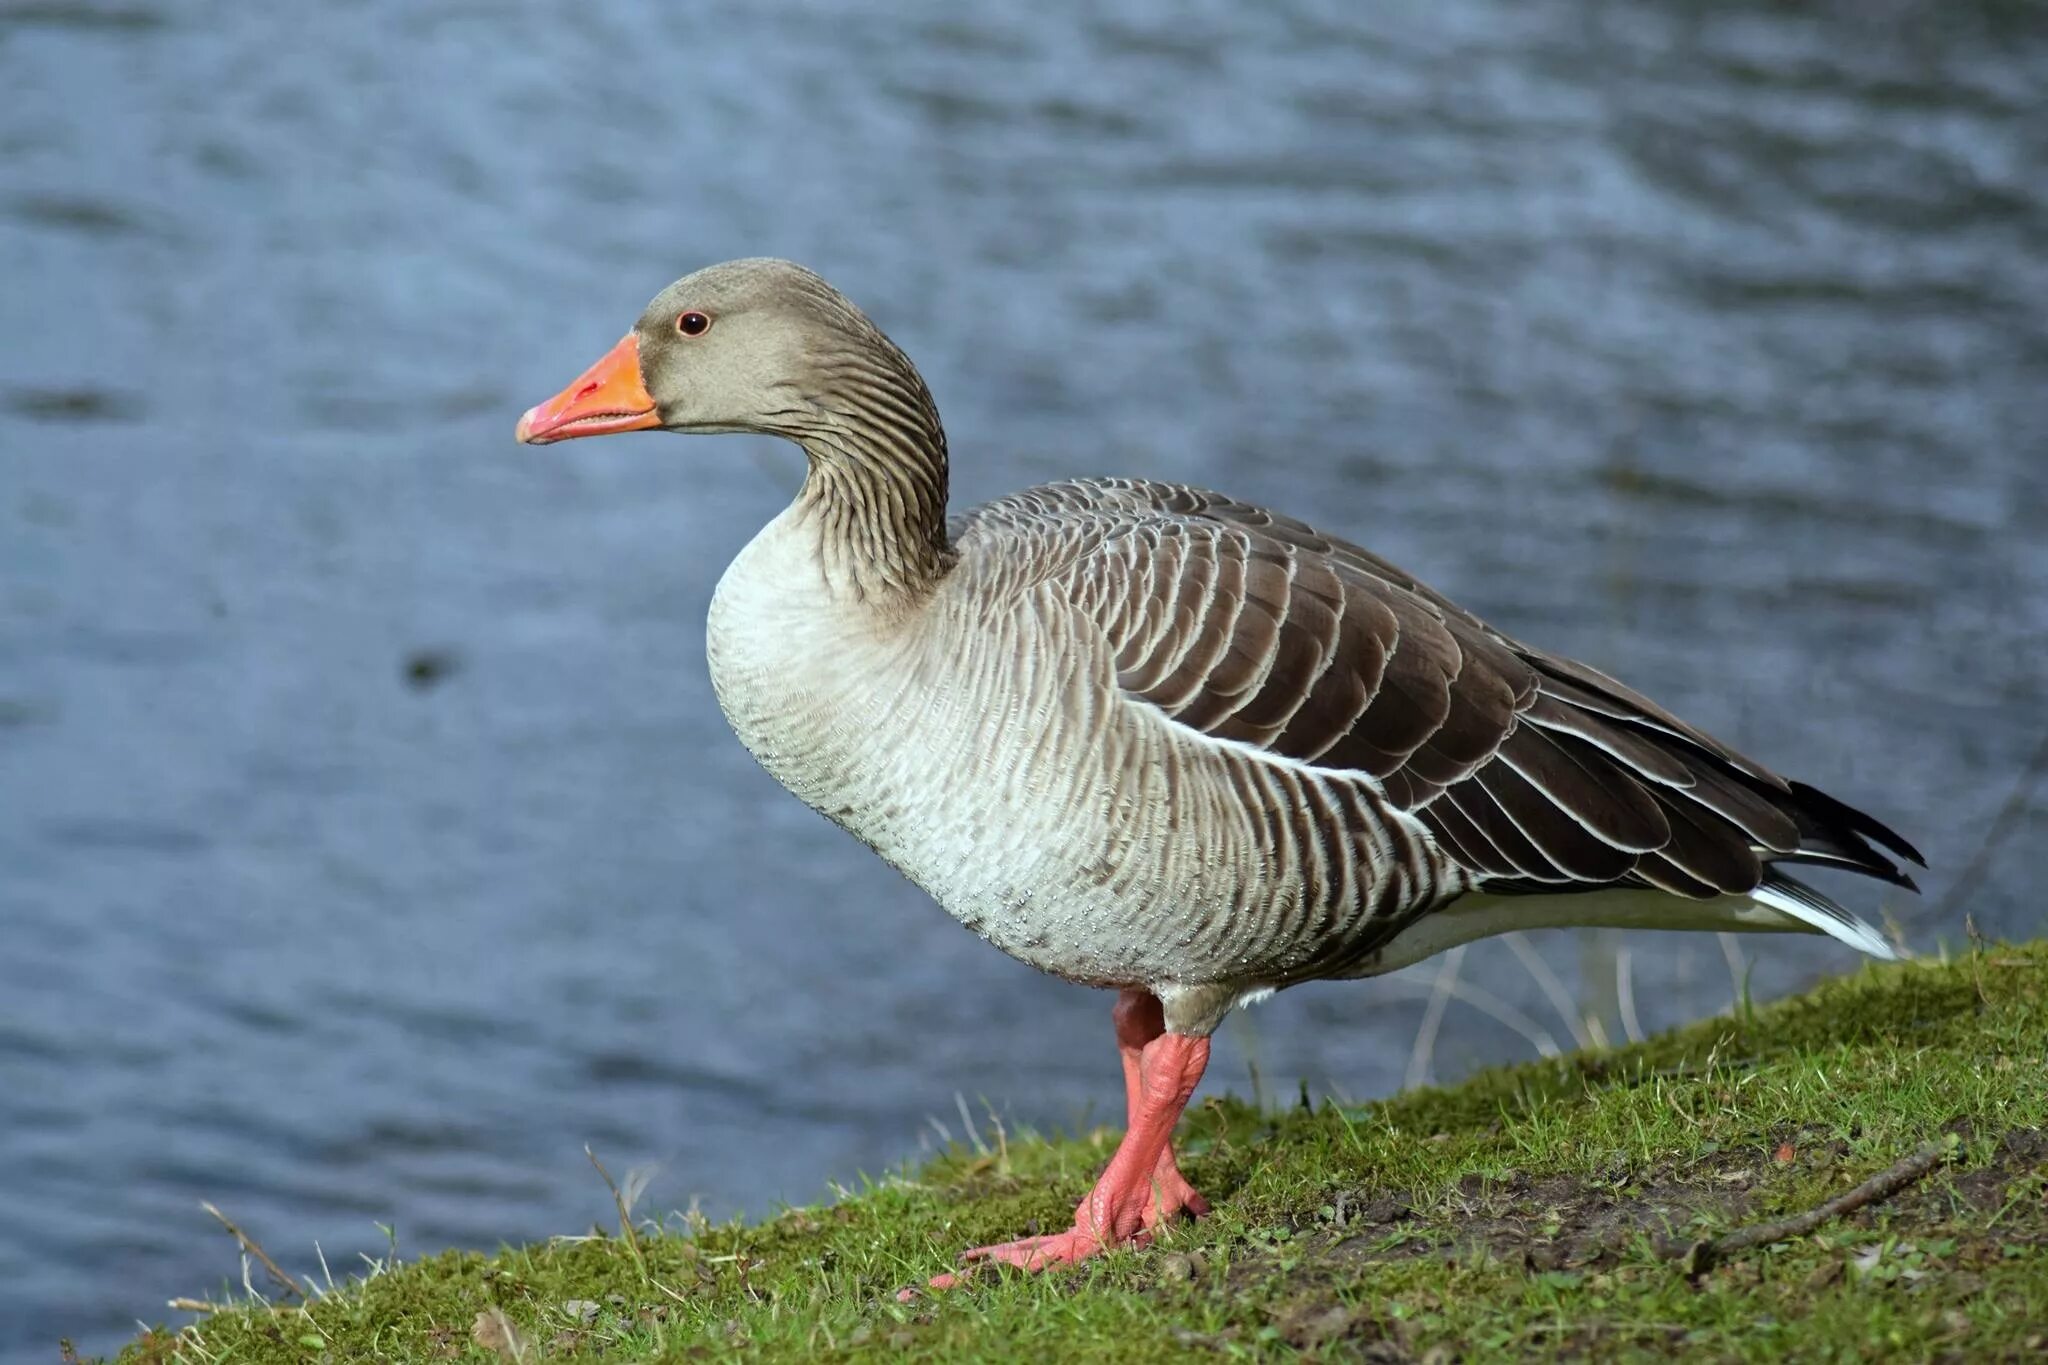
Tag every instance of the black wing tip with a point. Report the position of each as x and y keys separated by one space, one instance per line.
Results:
x=1866 y=825
x=1867 y=862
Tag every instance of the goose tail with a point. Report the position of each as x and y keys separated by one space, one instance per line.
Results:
x=1795 y=899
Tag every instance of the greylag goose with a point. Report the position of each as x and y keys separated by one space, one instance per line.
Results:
x=1150 y=738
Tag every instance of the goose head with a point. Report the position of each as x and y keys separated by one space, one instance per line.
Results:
x=755 y=345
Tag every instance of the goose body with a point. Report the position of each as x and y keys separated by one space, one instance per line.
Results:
x=1017 y=750
x=1092 y=838
x=1147 y=737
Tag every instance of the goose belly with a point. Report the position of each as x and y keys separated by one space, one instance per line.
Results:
x=1074 y=830
x=953 y=775
x=1090 y=841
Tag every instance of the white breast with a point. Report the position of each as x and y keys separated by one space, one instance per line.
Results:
x=978 y=745
x=934 y=756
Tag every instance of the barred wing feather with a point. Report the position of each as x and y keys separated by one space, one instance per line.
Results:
x=1532 y=773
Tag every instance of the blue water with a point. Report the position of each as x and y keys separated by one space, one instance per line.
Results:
x=1707 y=342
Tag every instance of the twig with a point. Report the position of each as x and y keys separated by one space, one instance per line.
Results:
x=196 y=1306
x=290 y=1285
x=1702 y=1256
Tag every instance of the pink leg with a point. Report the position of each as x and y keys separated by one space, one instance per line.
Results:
x=1139 y=1020
x=1141 y=1188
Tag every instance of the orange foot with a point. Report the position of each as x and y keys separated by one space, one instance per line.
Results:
x=1142 y=1188
x=1175 y=1194
x=1131 y=1223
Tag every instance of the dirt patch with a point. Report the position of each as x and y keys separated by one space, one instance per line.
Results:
x=1553 y=1223
x=1572 y=1222
x=1940 y=1232
x=1328 y=1328
x=2022 y=1155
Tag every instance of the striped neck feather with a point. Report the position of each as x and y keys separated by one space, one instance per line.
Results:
x=878 y=475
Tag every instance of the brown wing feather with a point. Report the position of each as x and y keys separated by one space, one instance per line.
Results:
x=1530 y=771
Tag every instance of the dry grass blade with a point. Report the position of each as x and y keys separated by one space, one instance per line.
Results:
x=1738 y=971
x=1625 y=993
x=625 y=1215
x=967 y=1124
x=1995 y=834
x=1488 y=1004
x=1553 y=989
x=1423 y=1053
x=493 y=1331
x=248 y=1244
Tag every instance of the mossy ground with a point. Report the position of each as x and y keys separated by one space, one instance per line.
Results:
x=1516 y=1216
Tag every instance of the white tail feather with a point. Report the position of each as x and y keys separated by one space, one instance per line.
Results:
x=1808 y=906
x=1780 y=905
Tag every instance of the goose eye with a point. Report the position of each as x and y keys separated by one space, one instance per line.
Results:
x=693 y=324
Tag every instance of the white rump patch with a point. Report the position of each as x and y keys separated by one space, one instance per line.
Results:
x=1768 y=909
x=1811 y=908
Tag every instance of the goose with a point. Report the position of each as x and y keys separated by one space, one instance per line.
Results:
x=1150 y=738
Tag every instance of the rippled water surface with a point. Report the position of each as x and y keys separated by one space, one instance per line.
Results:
x=369 y=838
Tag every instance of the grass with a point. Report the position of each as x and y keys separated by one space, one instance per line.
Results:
x=1529 y=1213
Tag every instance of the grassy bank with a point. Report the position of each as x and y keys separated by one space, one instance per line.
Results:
x=1531 y=1213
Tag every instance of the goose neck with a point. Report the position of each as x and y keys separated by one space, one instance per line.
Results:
x=876 y=498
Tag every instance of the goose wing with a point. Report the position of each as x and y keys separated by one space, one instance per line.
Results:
x=1532 y=772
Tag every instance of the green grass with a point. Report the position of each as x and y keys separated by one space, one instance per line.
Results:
x=1516 y=1216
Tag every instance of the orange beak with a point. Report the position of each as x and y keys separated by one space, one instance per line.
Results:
x=609 y=396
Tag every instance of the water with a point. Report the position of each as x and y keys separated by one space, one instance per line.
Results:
x=371 y=841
